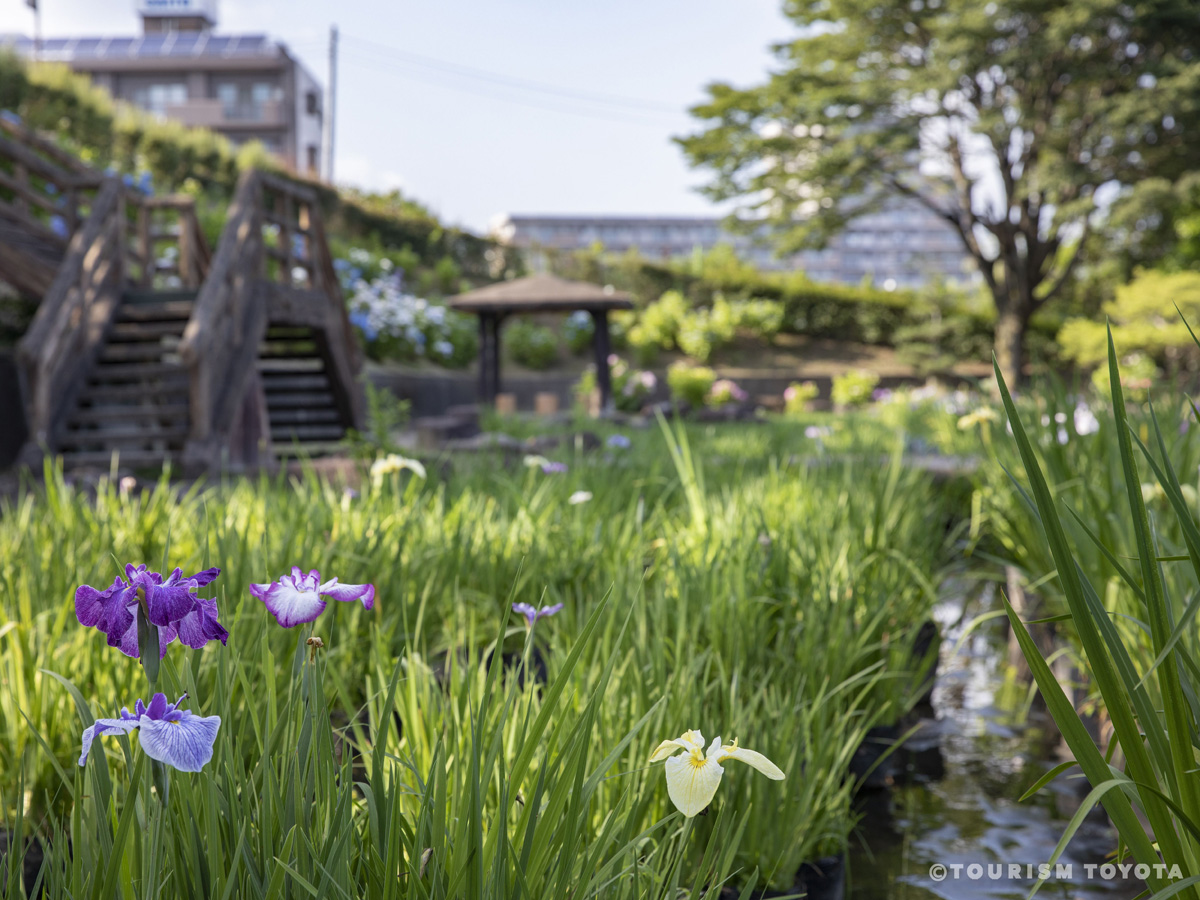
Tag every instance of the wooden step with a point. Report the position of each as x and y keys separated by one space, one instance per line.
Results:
x=149 y=297
x=116 y=393
x=125 y=413
x=288 y=433
x=288 y=351
x=307 y=364
x=145 y=331
x=137 y=372
x=79 y=440
x=124 y=430
x=166 y=311
x=303 y=415
x=299 y=399
x=280 y=383
x=126 y=459
x=289 y=332
x=308 y=449
x=139 y=351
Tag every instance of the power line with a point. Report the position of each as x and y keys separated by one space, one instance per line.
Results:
x=630 y=104
x=496 y=93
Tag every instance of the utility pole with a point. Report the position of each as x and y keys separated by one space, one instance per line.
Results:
x=37 y=28
x=331 y=104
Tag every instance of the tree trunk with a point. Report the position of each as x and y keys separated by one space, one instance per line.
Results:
x=1011 y=325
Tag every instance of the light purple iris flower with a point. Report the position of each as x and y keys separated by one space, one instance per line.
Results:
x=177 y=737
x=298 y=598
x=171 y=604
x=532 y=613
x=554 y=468
x=619 y=441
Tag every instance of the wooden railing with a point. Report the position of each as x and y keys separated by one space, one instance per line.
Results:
x=73 y=317
x=45 y=193
x=272 y=265
x=164 y=246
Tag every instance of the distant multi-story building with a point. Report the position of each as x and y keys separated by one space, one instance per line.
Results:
x=245 y=86
x=902 y=245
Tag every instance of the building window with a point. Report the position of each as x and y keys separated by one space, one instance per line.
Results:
x=246 y=102
x=155 y=98
x=312 y=103
x=312 y=158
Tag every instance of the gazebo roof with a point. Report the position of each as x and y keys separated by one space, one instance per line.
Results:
x=540 y=293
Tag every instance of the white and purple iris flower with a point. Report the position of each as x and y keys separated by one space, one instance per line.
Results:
x=298 y=598
x=171 y=604
x=532 y=613
x=177 y=737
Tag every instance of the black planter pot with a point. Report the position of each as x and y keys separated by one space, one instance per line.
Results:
x=31 y=865
x=868 y=767
x=824 y=879
x=926 y=648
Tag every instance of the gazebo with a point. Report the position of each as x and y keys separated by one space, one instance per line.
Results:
x=534 y=294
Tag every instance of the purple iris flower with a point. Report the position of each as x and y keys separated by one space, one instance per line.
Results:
x=554 y=468
x=620 y=441
x=177 y=737
x=532 y=613
x=298 y=598
x=171 y=604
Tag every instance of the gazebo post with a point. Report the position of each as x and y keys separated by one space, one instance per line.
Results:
x=484 y=366
x=489 y=356
x=497 y=320
x=601 y=345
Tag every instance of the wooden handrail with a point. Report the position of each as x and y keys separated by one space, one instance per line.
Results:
x=216 y=333
x=144 y=239
x=73 y=317
x=231 y=312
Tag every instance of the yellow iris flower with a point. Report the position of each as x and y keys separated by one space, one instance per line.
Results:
x=694 y=775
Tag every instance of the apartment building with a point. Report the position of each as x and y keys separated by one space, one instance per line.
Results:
x=244 y=86
x=903 y=245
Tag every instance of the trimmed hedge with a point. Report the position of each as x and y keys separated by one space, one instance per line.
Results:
x=861 y=314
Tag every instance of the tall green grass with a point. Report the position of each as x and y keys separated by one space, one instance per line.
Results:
x=1127 y=574
x=419 y=755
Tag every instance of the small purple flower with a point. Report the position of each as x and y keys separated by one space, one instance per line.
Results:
x=619 y=441
x=554 y=468
x=170 y=604
x=532 y=613
x=298 y=598
x=177 y=737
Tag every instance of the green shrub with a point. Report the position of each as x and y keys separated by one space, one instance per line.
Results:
x=579 y=329
x=854 y=388
x=1144 y=319
x=531 y=345
x=762 y=318
x=798 y=396
x=690 y=383
x=658 y=326
x=1138 y=373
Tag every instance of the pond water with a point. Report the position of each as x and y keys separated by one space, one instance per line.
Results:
x=957 y=799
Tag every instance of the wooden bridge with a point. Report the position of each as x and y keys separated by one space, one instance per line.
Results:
x=147 y=345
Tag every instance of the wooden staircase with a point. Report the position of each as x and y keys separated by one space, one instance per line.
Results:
x=147 y=348
x=302 y=409
x=134 y=402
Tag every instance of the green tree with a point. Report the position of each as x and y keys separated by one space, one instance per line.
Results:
x=1020 y=111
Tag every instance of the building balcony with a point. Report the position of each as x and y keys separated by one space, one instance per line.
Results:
x=212 y=113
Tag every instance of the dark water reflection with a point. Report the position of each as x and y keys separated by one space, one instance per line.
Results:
x=956 y=801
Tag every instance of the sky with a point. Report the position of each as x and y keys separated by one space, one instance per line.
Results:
x=481 y=107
